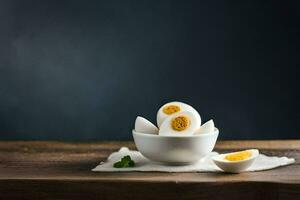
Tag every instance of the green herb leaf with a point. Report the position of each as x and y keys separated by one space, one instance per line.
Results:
x=124 y=162
x=118 y=164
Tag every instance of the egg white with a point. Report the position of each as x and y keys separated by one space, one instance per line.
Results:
x=143 y=125
x=207 y=127
x=161 y=116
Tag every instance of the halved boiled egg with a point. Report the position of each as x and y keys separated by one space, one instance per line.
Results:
x=179 y=124
x=175 y=107
x=236 y=162
x=207 y=127
x=143 y=125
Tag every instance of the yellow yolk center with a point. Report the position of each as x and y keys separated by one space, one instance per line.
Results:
x=238 y=156
x=180 y=123
x=171 y=109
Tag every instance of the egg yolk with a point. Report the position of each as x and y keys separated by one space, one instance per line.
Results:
x=180 y=123
x=171 y=109
x=238 y=156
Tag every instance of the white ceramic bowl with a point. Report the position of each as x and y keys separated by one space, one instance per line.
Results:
x=175 y=150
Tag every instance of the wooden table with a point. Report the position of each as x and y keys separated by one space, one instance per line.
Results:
x=59 y=170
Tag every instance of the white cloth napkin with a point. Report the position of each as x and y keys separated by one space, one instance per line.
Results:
x=262 y=162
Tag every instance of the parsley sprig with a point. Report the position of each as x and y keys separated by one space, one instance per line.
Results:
x=126 y=161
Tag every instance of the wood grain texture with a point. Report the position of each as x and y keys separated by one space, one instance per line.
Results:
x=60 y=170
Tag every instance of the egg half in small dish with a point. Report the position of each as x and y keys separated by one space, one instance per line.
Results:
x=175 y=107
x=236 y=162
x=179 y=124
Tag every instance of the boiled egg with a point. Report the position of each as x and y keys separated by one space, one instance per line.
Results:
x=143 y=125
x=207 y=127
x=179 y=124
x=175 y=107
x=236 y=162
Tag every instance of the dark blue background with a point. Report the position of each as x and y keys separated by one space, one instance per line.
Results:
x=83 y=70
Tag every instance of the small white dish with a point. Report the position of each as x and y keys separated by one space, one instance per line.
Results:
x=174 y=150
x=235 y=166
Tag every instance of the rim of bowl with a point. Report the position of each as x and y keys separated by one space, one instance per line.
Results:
x=216 y=131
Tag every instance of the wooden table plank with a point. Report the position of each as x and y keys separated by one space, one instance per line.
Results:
x=61 y=170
